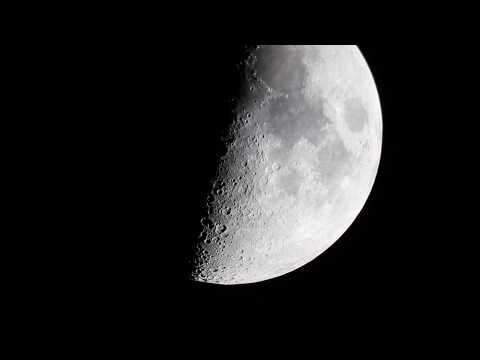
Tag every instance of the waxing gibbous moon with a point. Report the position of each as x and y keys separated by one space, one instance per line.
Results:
x=301 y=157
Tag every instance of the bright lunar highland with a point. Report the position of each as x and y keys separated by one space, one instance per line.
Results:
x=301 y=157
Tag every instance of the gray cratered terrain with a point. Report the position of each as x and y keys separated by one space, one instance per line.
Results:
x=301 y=160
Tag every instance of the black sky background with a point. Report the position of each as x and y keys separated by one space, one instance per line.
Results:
x=381 y=268
x=387 y=268
x=171 y=149
x=116 y=125
x=144 y=123
x=370 y=260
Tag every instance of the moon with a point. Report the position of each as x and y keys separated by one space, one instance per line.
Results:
x=302 y=154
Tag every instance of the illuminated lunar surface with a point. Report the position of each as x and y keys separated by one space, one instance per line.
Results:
x=302 y=155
